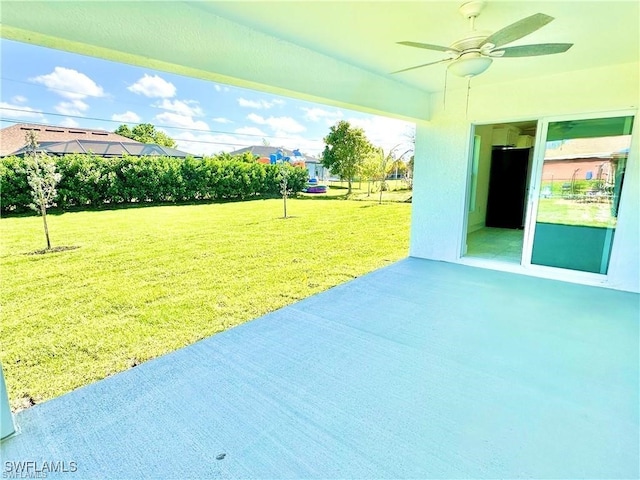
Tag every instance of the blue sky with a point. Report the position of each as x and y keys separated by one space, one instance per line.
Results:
x=42 y=85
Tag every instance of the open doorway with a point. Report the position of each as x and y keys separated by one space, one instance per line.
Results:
x=498 y=189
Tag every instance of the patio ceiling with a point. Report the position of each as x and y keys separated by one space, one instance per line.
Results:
x=419 y=370
x=338 y=53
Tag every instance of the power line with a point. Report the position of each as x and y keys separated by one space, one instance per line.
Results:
x=24 y=110
x=144 y=105
x=208 y=142
x=75 y=92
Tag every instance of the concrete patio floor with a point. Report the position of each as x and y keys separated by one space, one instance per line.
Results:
x=418 y=370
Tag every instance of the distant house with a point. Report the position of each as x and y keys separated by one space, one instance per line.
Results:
x=585 y=159
x=62 y=140
x=269 y=154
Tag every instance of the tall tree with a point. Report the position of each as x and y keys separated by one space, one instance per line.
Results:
x=146 y=133
x=42 y=178
x=345 y=149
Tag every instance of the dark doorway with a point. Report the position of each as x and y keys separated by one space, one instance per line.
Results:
x=507 y=187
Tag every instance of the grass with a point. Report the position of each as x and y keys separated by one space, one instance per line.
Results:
x=146 y=281
x=572 y=212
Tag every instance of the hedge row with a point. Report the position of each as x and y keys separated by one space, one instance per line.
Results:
x=89 y=180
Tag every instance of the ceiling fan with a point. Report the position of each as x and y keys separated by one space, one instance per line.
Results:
x=474 y=53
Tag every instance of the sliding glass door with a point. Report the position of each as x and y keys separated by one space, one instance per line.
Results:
x=581 y=177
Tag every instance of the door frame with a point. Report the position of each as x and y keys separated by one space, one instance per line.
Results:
x=534 y=197
x=528 y=185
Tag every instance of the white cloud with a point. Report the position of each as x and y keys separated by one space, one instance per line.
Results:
x=9 y=110
x=72 y=107
x=316 y=114
x=171 y=119
x=306 y=146
x=208 y=143
x=259 y=104
x=69 y=83
x=386 y=132
x=19 y=99
x=221 y=120
x=153 y=87
x=282 y=126
x=250 y=131
x=220 y=88
x=126 y=117
x=189 y=108
x=68 y=122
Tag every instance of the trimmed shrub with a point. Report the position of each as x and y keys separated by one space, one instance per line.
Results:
x=90 y=181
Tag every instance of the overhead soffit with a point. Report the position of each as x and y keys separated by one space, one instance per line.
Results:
x=335 y=52
x=365 y=33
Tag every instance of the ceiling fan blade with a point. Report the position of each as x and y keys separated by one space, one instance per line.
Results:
x=428 y=46
x=519 y=29
x=532 y=50
x=423 y=65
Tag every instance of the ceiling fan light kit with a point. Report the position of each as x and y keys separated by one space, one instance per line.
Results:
x=469 y=66
x=472 y=54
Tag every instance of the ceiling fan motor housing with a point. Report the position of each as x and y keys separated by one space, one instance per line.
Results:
x=473 y=40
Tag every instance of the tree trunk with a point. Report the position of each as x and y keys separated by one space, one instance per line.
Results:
x=349 y=187
x=284 y=198
x=43 y=211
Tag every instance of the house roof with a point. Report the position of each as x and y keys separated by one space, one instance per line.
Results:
x=333 y=55
x=107 y=148
x=264 y=151
x=12 y=138
x=599 y=147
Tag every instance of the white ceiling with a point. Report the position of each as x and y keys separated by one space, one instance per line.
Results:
x=365 y=33
x=334 y=52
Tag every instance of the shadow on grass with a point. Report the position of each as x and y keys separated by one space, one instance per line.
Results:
x=321 y=196
x=131 y=205
x=53 y=250
x=135 y=205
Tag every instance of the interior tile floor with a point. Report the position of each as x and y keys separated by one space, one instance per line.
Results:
x=504 y=244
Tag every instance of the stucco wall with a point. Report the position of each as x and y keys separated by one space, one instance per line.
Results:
x=442 y=156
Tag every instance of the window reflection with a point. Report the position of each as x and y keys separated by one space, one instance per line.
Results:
x=582 y=179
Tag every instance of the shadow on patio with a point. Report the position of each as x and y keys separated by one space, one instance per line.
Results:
x=420 y=369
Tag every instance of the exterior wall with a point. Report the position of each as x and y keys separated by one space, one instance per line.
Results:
x=443 y=150
x=564 y=169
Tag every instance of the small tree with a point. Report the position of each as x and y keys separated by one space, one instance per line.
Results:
x=384 y=161
x=369 y=169
x=42 y=178
x=285 y=189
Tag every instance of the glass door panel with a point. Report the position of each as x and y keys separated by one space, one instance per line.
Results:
x=582 y=178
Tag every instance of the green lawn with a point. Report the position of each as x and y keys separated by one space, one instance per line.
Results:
x=573 y=212
x=145 y=281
